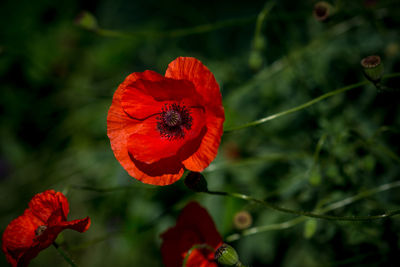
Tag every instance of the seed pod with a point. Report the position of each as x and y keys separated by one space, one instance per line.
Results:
x=226 y=255
x=373 y=68
x=322 y=11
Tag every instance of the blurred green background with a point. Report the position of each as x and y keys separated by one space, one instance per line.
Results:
x=57 y=82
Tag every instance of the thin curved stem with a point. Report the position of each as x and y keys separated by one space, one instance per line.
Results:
x=306 y=213
x=330 y=207
x=64 y=255
x=306 y=105
x=177 y=32
x=261 y=18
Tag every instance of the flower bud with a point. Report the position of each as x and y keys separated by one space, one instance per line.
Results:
x=226 y=255
x=322 y=11
x=255 y=60
x=87 y=21
x=242 y=220
x=373 y=68
x=195 y=181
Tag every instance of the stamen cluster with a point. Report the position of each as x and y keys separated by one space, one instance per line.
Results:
x=173 y=120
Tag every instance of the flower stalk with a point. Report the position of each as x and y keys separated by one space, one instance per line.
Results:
x=64 y=255
x=306 y=105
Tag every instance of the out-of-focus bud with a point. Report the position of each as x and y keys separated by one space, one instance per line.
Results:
x=87 y=21
x=259 y=43
x=226 y=255
x=195 y=181
x=392 y=50
x=242 y=220
x=373 y=68
x=322 y=11
x=255 y=60
x=310 y=228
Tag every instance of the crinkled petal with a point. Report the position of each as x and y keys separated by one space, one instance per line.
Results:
x=43 y=205
x=18 y=236
x=208 y=148
x=191 y=69
x=81 y=225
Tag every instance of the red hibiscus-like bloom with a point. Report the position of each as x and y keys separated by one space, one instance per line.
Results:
x=158 y=125
x=38 y=227
x=193 y=227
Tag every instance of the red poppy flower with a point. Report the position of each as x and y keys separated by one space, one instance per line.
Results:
x=38 y=227
x=158 y=125
x=193 y=227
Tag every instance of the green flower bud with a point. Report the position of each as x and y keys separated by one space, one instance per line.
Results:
x=87 y=21
x=195 y=181
x=255 y=60
x=373 y=68
x=226 y=255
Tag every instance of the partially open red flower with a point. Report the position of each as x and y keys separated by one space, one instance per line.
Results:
x=38 y=227
x=193 y=227
x=158 y=125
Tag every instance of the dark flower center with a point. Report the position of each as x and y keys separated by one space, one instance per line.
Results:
x=39 y=231
x=173 y=120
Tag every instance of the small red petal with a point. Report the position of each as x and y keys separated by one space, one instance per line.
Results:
x=43 y=205
x=81 y=225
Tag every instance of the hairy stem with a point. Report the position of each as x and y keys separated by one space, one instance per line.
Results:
x=305 y=105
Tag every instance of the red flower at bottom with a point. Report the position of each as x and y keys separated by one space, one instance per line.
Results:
x=38 y=227
x=193 y=227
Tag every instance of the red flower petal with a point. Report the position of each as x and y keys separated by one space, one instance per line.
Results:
x=194 y=226
x=201 y=258
x=43 y=205
x=19 y=235
x=38 y=227
x=148 y=147
x=208 y=148
x=191 y=69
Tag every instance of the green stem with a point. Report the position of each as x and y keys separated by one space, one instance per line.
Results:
x=305 y=105
x=261 y=18
x=330 y=207
x=64 y=255
x=305 y=213
x=177 y=32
